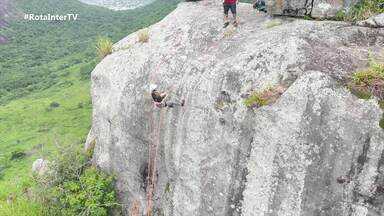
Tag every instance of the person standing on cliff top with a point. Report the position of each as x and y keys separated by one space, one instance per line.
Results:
x=230 y=5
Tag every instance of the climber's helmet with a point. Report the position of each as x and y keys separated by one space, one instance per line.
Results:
x=153 y=87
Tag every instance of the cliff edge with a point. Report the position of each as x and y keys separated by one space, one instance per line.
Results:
x=318 y=150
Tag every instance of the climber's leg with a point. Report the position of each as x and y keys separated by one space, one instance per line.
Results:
x=226 y=10
x=171 y=104
x=234 y=12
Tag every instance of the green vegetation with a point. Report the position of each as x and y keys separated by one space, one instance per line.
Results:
x=143 y=35
x=261 y=98
x=40 y=52
x=220 y=105
x=23 y=207
x=307 y=17
x=229 y=31
x=255 y=100
x=16 y=155
x=363 y=10
x=381 y=104
x=361 y=93
x=370 y=82
x=29 y=125
x=340 y=16
x=103 y=47
x=74 y=187
x=44 y=93
x=273 y=23
x=167 y=188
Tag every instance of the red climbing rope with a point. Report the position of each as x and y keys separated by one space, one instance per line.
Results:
x=153 y=151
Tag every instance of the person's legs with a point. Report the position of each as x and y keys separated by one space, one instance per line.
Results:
x=234 y=12
x=226 y=10
x=171 y=104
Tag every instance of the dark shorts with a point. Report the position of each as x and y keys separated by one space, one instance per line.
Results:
x=228 y=7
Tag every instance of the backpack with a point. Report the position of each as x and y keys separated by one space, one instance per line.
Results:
x=260 y=6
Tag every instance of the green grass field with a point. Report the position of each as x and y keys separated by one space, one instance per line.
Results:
x=45 y=89
x=30 y=125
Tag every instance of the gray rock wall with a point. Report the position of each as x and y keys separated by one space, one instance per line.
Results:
x=216 y=156
x=315 y=134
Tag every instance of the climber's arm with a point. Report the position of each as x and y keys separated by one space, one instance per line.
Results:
x=163 y=96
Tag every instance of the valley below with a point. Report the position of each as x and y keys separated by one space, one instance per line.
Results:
x=118 y=4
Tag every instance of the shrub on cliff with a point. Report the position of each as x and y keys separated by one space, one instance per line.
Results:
x=74 y=187
x=369 y=82
x=143 y=35
x=268 y=96
x=103 y=47
x=362 y=10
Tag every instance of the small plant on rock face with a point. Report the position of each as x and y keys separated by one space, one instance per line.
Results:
x=340 y=15
x=369 y=82
x=103 y=47
x=381 y=104
x=381 y=123
x=255 y=100
x=229 y=32
x=219 y=105
x=363 y=10
x=143 y=35
x=265 y=97
x=273 y=23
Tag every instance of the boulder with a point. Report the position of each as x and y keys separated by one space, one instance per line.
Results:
x=216 y=156
x=314 y=8
x=40 y=166
x=373 y=22
x=316 y=133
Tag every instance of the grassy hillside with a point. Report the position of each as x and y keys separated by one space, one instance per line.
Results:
x=34 y=59
x=44 y=84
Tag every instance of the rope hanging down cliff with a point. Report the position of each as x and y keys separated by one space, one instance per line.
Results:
x=155 y=142
x=153 y=150
x=159 y=101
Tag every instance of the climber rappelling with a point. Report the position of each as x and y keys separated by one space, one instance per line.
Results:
x=159 y=99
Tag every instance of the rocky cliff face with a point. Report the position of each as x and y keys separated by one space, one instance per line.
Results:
x=317 y=151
